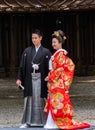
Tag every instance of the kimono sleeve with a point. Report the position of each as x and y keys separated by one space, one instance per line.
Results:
x=46 y=62
x=49 y=54
x=21 y=70
x=63 y=67
x=68 y=72
x=57 y=68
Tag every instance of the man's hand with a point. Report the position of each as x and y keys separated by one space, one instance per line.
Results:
x=18 y=82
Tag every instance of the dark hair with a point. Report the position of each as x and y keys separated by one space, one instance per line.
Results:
x=59 y=35
x=38 y=32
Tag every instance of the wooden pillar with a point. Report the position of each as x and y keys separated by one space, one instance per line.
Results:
x=3 y=48
x=0 y=44
x=78 y=46
x=12 y=48
x=0 y=53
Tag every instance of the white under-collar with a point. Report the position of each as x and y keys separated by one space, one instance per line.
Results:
x=37 y=48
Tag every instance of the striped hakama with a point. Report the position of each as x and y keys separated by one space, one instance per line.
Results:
x=34 y=114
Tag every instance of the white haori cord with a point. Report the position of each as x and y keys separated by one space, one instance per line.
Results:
x=35 y=67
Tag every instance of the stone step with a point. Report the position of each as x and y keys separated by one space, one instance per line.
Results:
x=40 y=128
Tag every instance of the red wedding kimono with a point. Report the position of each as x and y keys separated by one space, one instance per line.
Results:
x=58 y=102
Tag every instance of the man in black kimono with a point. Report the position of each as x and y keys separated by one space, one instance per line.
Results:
x=32 y=72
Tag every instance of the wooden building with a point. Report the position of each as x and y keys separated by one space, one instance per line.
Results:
x=75 y=17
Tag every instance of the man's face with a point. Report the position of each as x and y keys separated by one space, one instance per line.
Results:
x=36 y=39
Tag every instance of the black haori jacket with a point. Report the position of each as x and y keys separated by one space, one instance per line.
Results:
x=25 y=69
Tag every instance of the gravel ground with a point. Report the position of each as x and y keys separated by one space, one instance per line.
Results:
x=82 y=94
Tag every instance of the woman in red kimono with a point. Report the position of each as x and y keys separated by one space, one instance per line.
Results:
x=58 y=106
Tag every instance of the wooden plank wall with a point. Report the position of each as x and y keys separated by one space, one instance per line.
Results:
x=15 y=36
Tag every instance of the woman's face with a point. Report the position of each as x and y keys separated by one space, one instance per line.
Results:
x=36 y=39
x=56 y=44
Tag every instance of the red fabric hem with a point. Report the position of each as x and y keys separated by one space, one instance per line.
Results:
x=77 y=127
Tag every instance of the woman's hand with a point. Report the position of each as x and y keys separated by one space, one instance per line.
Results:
x=47 y=79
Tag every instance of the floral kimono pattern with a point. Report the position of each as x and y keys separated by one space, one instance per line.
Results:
x=58 y=101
